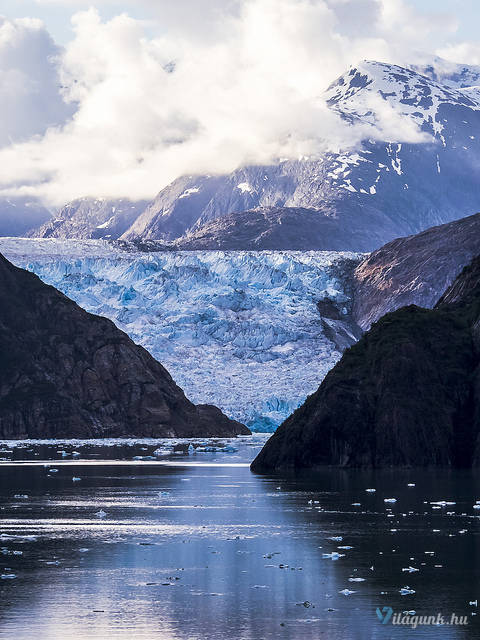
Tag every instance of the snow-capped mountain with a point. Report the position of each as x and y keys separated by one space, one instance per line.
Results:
x=382 y=190
x=449 y=74
x=253 y=333
x=92 y=218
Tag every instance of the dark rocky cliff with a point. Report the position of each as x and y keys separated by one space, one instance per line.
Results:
x=407 y=394
x=67 y=373
x=413 y=270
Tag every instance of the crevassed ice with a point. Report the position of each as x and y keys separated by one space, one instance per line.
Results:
x=236 y=329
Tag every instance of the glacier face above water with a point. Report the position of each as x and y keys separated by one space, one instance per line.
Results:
x=238 y=329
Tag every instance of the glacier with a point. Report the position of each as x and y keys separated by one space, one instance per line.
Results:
x=237 y=329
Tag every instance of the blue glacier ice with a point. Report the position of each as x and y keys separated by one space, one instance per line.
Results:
x=237 y=329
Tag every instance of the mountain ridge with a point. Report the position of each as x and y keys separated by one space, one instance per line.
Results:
x=383 y=189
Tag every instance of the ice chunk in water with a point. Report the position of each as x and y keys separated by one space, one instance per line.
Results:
x=406 y=591
x=333 y=556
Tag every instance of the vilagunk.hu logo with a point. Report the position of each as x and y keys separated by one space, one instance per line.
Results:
x=386 y=615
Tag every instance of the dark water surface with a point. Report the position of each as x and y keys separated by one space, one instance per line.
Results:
x=196 y=546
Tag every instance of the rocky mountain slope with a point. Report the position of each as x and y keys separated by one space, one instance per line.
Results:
x=407 y=394
x=382 y=190
x=218 y=321
x=413 y=270
x=91 y=218
x=277 y=228
x=67 y=373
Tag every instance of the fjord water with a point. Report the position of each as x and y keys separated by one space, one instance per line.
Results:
x=196 y=546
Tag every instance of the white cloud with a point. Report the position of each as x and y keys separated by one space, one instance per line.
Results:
x=29 y=84
x=237 y=82
x=464 y=51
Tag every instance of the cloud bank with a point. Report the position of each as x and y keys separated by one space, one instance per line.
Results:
x=121 y=112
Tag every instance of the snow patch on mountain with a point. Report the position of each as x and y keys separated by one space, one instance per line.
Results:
x=240 y=330
x=361 y=91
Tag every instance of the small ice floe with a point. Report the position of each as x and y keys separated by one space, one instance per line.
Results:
x=20 y=496
x=7 y=576
x=392 y=500
x=260 y=586
x=50 y=470
x=347 y=592
x=335 y=538
x=101 y=514
x=76 y=479
x=476 y=506
x=333 y=556
x=410 y=569
x=10 y=552
x=65 y=454
x=307 y=604
x=75 y=454
x=412 y=612
x=442 y=503
x=356 y=579
x=370 y=490
x=411 y=484
x=8 y=536
x=161 y=452
x=83 y=550
x=473 y=603
x=164 y=493
x=53 y=563
x=346 y=547
x=356 y=504
x=406 y=591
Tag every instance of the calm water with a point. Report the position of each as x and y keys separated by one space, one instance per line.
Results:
x=196 y=546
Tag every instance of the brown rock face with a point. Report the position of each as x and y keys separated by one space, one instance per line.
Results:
x=413 y=270
x=67 y=373
x=407 y=394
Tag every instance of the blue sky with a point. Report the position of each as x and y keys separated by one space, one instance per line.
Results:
x=57 y=13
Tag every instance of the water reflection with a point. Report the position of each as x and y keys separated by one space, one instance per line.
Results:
x=203 y=550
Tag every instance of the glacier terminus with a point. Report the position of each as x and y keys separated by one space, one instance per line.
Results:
x=251 y=332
